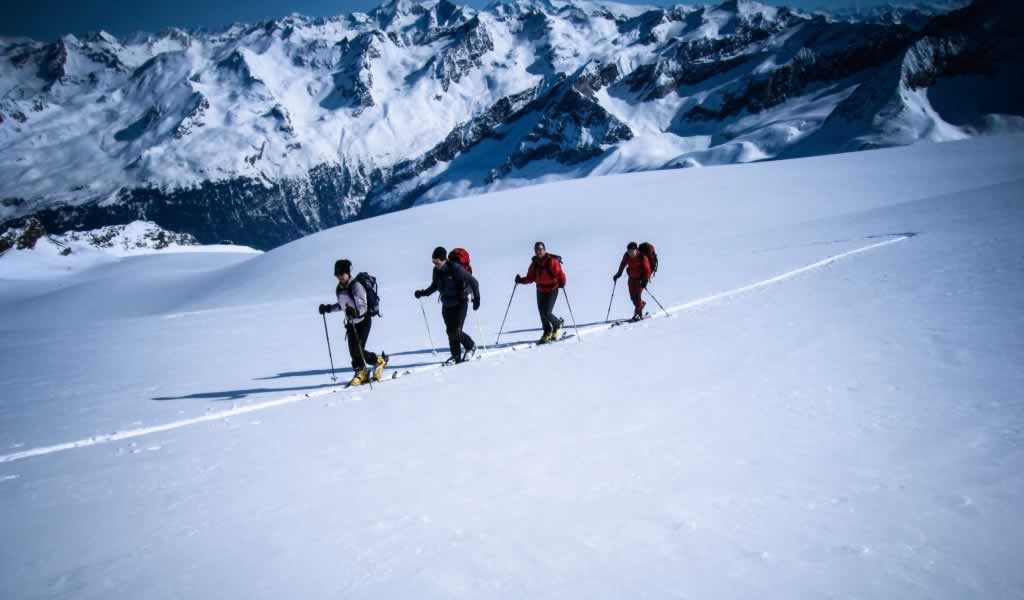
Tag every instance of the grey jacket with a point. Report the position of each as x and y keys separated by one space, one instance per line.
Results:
x=354 y=295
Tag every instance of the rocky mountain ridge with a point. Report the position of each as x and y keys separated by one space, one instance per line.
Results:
x=260 y=134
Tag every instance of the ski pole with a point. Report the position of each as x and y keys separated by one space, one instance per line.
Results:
x=567 y=303
x=427 y=323
x=359 y=342
x=615 y=283
x=502 y=328
x=329 y=355
x=658 y=303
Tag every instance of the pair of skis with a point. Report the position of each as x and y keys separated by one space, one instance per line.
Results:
x=475 y=355
x=630 y=321
x=450 y=362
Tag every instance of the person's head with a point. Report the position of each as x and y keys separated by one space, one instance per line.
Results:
x=539 y=250
x=439 y=257
x=632 y=249
x=343 y=270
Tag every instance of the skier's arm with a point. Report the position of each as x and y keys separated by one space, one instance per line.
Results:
x=647 y=268
x=337 y=305
x=531 y=274
x=471 y=281
x=433 y=285
x=622 y=265
x=559 y=273
x=359 y=298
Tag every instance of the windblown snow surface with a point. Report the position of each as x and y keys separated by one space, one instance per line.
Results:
x=833 y=408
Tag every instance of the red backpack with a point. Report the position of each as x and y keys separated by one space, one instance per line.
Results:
x=461 y=256
x=647 y=249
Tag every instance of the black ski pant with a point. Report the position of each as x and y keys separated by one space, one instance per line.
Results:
x=357 y=334
x=546 y=304
x=454 y=318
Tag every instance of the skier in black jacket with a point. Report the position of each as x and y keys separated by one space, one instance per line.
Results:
x=454 y=283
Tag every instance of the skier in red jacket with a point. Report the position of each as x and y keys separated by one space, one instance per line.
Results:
x=546 y=270
x=638 y=270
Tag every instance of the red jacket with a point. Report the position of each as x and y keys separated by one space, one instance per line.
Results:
x=636 y=268
x=547 y=272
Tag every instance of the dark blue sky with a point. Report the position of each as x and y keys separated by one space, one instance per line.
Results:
x=48 y=19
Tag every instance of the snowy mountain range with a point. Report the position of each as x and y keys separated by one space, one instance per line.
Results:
x=260 y=134
x=29 y=252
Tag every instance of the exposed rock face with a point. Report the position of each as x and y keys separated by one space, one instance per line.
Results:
x=573 y=127
x=964 y=59
x=23 y=237
x=472 y=42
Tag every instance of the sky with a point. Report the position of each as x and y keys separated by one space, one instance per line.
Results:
x=48 y=19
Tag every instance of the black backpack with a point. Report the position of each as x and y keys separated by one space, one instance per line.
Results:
x=647 y=249
x=369 y=283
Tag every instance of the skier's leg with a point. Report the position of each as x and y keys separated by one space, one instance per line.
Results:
x=544 y=309
x=363 y=327
x=353 y=348
x=636 y=295
x=464 y=339
x=551 y=309
x=554 y=323
x=452 y=328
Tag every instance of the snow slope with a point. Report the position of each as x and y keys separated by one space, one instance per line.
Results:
x=853 y=429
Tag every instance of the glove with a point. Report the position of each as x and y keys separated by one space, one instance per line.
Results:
x=324 y=309
x=616 y=276
x=476 y=303
x=643 y=283
x=418 y=293
x=350 y=312
x=519 y=279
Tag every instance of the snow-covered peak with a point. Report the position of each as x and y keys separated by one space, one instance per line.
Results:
x=912 y=14
x=747 y=8
x=727 y=17
x=29 y=252
x=401 y=14
x=101 y=36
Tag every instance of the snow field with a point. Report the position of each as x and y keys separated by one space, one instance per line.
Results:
x=854 y=430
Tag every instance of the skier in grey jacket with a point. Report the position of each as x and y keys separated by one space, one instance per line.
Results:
x=454 y=284
x=352 y=300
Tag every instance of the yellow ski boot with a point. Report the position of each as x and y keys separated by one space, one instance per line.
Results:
x=557 y=331
x=378 y=371
x=361 y=376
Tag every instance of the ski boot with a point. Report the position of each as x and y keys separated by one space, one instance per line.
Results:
x=378 y=371
x=469 y=354
x=557 y=331
x=361 y=377
x=453 y=360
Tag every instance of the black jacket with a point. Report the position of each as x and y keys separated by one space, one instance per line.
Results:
x=454 y=284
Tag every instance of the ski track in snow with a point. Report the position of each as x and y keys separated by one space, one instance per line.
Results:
x=589 y=330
